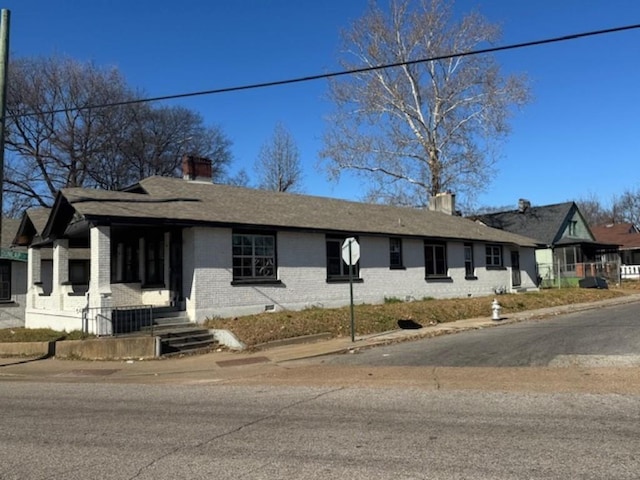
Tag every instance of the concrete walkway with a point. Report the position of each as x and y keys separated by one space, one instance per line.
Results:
x=221 y=365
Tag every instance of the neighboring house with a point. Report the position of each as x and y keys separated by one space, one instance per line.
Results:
x=568 y=248
x=218 y=250
x=627 y=236
x=13 y=277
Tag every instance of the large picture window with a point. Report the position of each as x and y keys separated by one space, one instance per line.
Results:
x=435 y=255
x=337 y=269
x=254 y=256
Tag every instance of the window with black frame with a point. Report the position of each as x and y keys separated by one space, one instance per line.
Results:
x=469 y=267
x=254 y=256
x=337 y=268
x=5 y=281
x=154 y=260
x=494 y=256
x=435 y=255
x=395 y=253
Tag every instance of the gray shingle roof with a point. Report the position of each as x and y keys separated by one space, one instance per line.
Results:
x=540 y=223
x=175 y=200
x=9 y=229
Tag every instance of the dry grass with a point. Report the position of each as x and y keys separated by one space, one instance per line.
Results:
x=266 y=327
x=38 y=335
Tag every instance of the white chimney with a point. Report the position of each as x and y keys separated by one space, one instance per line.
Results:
x=443 y=202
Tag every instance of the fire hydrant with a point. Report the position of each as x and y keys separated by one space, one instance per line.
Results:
x=495 y=308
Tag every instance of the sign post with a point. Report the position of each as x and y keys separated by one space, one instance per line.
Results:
x=351 y=255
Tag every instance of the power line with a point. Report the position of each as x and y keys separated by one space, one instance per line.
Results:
x=322 y=76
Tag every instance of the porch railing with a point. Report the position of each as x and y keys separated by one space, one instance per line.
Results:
x=113 y=321
x=569 y=275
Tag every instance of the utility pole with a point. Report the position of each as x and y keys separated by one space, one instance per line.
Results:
x=4 y=64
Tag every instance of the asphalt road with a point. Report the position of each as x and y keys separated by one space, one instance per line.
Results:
x=111 y=431
x=594 y=338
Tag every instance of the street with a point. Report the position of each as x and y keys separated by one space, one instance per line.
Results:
x=594 y=338
x=113 y=431
x=553 y=398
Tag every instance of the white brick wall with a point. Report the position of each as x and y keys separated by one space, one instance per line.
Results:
x=207 y=270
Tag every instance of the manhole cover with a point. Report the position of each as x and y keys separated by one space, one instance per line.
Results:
x=242 y=361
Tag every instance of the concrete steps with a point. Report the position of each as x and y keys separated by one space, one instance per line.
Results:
x=182 y=340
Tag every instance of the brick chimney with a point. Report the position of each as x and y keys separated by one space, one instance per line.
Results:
x=196 y=168
x=444 y=203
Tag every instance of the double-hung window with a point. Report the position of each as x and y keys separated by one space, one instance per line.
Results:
x=435 y=256
x=337 y=268
x=254 y=256
x=494 y=256
x=469 y=267
x=395 y=252
x=5 y=281
x=154 y=260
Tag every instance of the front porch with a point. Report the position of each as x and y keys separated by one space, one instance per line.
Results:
x=104 y=279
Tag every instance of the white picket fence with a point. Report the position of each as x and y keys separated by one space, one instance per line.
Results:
x=630 y=272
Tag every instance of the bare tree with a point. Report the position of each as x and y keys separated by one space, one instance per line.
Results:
x=627 y=207
x=278 y=164
x=594 y=212
x=422 y=128
x=56 y=140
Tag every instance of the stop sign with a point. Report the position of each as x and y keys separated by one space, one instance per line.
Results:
x=350 y=245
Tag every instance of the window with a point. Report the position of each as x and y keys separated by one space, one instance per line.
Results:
x=337 y=269
x=254 y=256
x=5 y=281
x=79 y=272
x=395 y=252
x=125 y=264
x=435 y=255
x=469 y=267
x=154 y=260
x=494 y=256
x=572 y=228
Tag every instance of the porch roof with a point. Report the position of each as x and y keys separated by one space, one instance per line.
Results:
x=172 y=201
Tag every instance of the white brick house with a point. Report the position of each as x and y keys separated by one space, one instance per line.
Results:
x=217 y=250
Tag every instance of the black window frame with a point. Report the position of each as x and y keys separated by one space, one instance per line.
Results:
x=245 y=256
x=5 y=283
x=154 y=260
x=435 y=259
x=129 y=262
x=395 y=254
x=334 y=259
x=491 y=256
x=469 y=263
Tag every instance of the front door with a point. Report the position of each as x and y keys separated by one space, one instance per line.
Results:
x=515 y=269
x=175 y=270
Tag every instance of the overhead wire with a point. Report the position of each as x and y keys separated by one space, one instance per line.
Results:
x=340 y=73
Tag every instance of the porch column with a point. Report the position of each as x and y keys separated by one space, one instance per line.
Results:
x=100 y=281
x=60 y=284
x=34 y=276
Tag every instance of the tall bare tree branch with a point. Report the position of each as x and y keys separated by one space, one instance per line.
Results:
x=415 y=130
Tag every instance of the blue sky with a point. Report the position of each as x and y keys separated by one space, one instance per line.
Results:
x=578 y=137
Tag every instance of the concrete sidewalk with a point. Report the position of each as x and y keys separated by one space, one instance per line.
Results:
x=219 y=365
